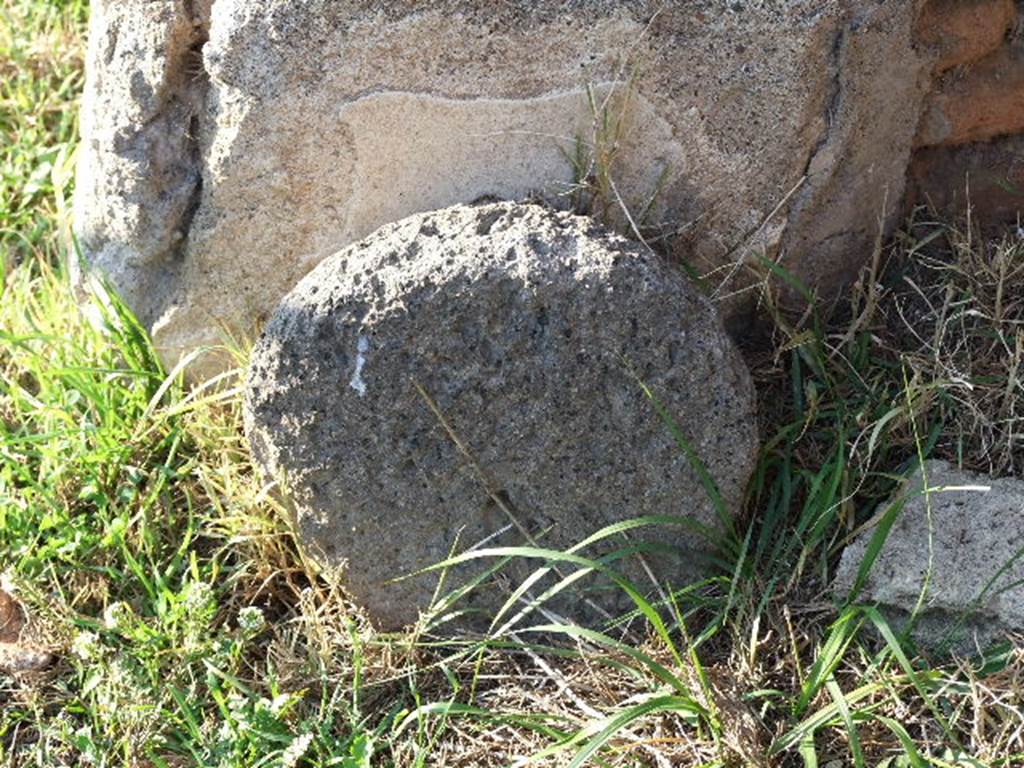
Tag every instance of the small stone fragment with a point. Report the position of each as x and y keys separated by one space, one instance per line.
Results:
x=11 y=619
x=973 y=566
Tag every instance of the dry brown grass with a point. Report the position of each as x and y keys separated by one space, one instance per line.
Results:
x=956 y=317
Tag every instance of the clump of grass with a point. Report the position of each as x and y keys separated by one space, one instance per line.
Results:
x=167 y=584
x=40 y=83
x=595 y=160
x=955 y=314
x=856 y=400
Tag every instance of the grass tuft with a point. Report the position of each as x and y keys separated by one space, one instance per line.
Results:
x=40 y=83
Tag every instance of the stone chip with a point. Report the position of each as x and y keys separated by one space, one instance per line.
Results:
x=964 y=541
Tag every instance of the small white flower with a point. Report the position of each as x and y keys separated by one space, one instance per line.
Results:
x=86 y=646
x=237 y=703
x=119 y=674
x=251 y=620
x=295 y=751
x=200 y=598
x=281 y=702
x=118 y=616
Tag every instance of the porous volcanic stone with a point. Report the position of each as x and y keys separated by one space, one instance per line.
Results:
x=975 y=591
x=480 y=357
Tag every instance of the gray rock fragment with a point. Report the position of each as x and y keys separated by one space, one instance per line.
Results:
x=964 y=539
x=462 y=376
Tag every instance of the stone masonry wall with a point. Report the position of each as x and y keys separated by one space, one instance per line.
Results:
x=969 y=140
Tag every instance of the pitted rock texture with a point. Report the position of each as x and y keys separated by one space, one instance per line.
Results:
x=139 y=176
x=229 y=149
x=965 y=31
x=969 y=531
x=458 y=366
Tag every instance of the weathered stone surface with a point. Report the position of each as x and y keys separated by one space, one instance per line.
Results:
x=972 y=123
x=210 y=184
x=19 y=650
x=974 y=568
x=983 y=101
x=138 y=175
x=962 y=31
x=856 y=173
x=993 y=172
x=459 y=361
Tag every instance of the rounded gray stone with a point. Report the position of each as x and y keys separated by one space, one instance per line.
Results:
x=474 y=375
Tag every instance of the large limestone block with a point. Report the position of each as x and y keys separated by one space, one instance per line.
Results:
x=472 y=377
x=961 y=546
x=228 y=150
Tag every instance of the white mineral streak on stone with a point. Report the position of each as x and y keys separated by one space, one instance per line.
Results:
x=357 y=383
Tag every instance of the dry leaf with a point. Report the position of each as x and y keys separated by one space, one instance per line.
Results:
x=12 y=618
x=15 y=655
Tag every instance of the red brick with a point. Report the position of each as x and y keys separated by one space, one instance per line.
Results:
x=962 y=31
x=979 y=103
